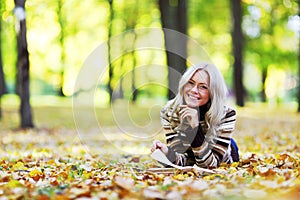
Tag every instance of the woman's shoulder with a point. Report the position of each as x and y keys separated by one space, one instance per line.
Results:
x=170 y=110
x=170 y=105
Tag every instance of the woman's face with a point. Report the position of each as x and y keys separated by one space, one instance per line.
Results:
x=196 y=90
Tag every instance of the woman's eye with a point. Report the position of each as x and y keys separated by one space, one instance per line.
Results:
x=191 y=83
x=203 y=87
x=199 y=86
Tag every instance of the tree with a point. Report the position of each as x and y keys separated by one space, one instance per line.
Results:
x=237 y=39
x=270 y=47
x=110 y=69
x=133 y=87
x=23 y=66
x=269 y=30
x=62 y=22
x=299 y=62
x=130 y=24
x=2 y=80
x=127 y=59
x=174 y=17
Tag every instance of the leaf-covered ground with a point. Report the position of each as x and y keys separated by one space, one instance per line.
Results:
x=53 y=161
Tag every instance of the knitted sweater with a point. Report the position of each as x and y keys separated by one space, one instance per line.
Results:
x=187 y=146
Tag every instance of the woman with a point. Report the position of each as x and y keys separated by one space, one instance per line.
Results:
x=197 y=124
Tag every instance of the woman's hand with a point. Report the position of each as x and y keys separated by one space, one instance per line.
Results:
x=159 y=145
x=190 y=115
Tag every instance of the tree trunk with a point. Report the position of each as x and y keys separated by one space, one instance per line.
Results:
x=299 y=75
x=237 y=39
x=23 y=67
x=0 y=109
x=132 y=24
x=299 y=62
x=134 y=90
x=174 y=17
x=263 y=80
x=2 y=80
x=61 y=21
x=110 y=70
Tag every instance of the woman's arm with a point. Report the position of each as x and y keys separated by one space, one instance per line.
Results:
x=176 y=148
x=212 y=155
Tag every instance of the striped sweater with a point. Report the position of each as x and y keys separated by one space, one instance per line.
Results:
x=188 y=146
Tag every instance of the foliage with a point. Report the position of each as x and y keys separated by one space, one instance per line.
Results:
x=269 y=26
x=271 y=42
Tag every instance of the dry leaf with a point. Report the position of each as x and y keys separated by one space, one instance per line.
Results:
x=126 y=183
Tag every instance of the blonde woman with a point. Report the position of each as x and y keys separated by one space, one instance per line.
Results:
x=198 y=125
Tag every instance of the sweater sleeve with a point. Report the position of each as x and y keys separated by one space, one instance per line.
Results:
x=213 y=154
x=176 y=148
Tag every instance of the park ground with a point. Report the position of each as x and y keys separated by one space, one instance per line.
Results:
x=63 y=158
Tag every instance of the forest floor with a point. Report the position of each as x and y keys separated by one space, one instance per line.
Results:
x=58 y=160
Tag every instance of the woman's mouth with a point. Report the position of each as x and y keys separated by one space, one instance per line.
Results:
x=195 y=98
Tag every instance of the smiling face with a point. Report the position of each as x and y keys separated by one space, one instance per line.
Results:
x=196 y=90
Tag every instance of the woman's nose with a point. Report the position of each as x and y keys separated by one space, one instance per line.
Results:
x=195 y=88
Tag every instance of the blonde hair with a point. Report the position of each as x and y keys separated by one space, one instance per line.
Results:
x=217 y=91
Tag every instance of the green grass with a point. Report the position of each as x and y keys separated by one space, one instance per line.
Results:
x=52 y=112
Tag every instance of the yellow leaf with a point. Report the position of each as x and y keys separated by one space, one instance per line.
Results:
x=234 y=164
x=208 y=178
x=179 y=177
x=14 y=184
x=160 y=176
x=280 y=179
x=36 y=174
x=86 y=175
x=19 y=166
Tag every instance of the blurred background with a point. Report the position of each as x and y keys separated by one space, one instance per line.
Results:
x=44 y=44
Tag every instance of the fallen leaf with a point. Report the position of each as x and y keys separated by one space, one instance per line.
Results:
x=124 y=182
